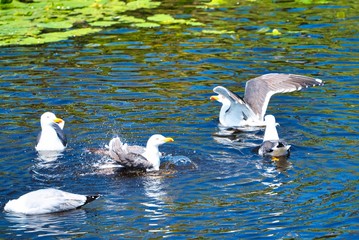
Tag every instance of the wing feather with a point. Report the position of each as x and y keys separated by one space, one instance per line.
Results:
x=60 y=133
x=123 y=154
x=234 y=98
x=259 y=90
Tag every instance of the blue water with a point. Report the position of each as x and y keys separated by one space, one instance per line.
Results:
x=134 y=83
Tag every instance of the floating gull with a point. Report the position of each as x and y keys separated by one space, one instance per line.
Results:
x=136 y=157
x=47 y=200
x=51 y=137
x=271 y=145
x=237 y=112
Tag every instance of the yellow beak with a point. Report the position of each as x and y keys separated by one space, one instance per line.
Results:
x=168 y=140
x=58 y=120
x=214 y=98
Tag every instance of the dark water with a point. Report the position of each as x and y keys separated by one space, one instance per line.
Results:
x=135 y=83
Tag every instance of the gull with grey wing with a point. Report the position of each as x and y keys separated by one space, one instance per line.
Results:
x=241 y=113
x=138 y=158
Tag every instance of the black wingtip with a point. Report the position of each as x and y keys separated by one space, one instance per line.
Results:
x=91 y=198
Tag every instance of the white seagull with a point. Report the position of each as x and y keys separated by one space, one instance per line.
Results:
x=51 y=137
x=237 y=112
x=47 y=200
x=136 y=157
x=271 y=145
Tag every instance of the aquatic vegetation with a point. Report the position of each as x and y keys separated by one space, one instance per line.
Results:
x=218 y=31
x=37 y=22
x=274 y=32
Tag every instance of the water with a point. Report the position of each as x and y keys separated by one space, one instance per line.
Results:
x=135 y=83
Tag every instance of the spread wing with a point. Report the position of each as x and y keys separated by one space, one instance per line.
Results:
x=259 y=90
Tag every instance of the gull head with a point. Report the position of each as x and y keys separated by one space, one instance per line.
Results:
x=49 y=118
x=157 y=140
x=151 y=153
x=224 y=97
x=220 y=98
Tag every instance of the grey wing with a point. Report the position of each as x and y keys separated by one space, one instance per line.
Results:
x=132 y=161
x=266 y=147
x=123 y=155
x=60 y=133
x=116 y=149
x=259 y=90
x=136 y=149
x=234 y=98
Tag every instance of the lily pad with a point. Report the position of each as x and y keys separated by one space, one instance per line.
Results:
x=275 y=32
x=142 y=4
x=130 y=19
x=162 y=18
x=82 y=32
x=16 y=28
x=103 y=23
x=218 y=31
x=193 y=22
x=55 y=25
x=42 y=39
x=168 y=19
x=146 y=25
x=22 y=20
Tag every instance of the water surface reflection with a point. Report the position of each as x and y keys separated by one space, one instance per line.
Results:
x=137 y=82
x=48 y=225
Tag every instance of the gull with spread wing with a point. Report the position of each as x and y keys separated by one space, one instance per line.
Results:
x=249 y=111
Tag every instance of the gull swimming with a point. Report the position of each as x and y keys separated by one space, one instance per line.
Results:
x=238 y=112
x=48 y=200
x=136 y=157
x=51 y=137
x=271 y=145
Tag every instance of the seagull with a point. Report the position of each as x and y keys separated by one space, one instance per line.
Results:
x=238 y=112
x=48 y=200
x=51 y=137
x=271 y=145
x=137 y=157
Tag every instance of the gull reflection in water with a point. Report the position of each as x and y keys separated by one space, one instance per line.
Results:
x=156 y=201
x=237 y=140
x=273 y=170
x=153 y=188
x=43 y=171
x=49 y=156
x=42 y=225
